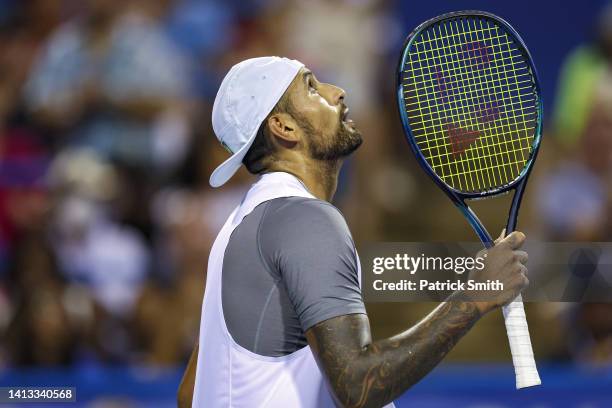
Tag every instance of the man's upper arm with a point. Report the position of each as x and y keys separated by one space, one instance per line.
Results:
x=308 y=242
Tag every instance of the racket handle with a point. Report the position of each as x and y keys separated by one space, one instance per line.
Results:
x=520 y=345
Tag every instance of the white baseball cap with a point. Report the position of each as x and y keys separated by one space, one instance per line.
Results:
x=248 y=93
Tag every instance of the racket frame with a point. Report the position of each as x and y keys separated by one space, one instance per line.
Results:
x=459 y=197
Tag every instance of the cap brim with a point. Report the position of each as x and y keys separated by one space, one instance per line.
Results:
x=228 y=168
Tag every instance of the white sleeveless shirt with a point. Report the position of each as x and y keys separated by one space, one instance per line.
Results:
x=227 y=374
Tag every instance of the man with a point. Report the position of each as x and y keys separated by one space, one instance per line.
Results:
x=283 y=322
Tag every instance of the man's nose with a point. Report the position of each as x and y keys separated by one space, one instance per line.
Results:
x=335 y=94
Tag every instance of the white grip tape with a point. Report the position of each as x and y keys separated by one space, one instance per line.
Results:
x=520 y=345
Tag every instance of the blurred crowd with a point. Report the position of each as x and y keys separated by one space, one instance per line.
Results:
x=106 y=216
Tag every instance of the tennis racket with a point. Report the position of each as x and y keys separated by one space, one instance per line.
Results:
x=469 y=99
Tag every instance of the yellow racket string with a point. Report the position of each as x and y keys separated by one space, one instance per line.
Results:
x=470 y=101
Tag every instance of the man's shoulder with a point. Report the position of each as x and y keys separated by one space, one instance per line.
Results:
x=303 y=233
x=304 y=210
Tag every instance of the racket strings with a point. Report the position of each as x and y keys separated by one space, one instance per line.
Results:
x=482 y=58
x=471 y=56
x=470 y=98
x=478 y=180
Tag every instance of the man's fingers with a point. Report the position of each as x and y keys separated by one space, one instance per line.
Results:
x=501 y=236
x=523 y=270
x=521 y=256
x=514 y=240
x=525 y=281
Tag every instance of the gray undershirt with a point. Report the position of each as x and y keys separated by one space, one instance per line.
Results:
x=290 y=264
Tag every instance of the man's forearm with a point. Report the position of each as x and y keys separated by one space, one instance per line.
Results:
x=374 y=374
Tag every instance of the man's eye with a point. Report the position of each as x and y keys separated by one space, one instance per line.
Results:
x=311 y=86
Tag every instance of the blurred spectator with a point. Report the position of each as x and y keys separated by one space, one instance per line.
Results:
x=113 y=82
x=109 y=259
x=24 y=201
x=585 y=79
x=576 y=194
x=572 y=203
x=40 y=333
x=92 y=248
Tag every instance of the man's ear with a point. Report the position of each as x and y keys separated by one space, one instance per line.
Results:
x=283 y=128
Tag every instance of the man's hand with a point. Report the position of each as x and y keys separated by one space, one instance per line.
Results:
x=505 y=262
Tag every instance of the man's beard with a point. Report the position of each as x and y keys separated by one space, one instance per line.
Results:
x=343 y=143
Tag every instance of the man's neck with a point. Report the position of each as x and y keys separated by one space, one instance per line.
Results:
x=319 y=177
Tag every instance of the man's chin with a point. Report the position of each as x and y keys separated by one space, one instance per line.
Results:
x=347 y=140
x=355 y=142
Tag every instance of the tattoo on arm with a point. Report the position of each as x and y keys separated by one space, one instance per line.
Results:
x=366 y=374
